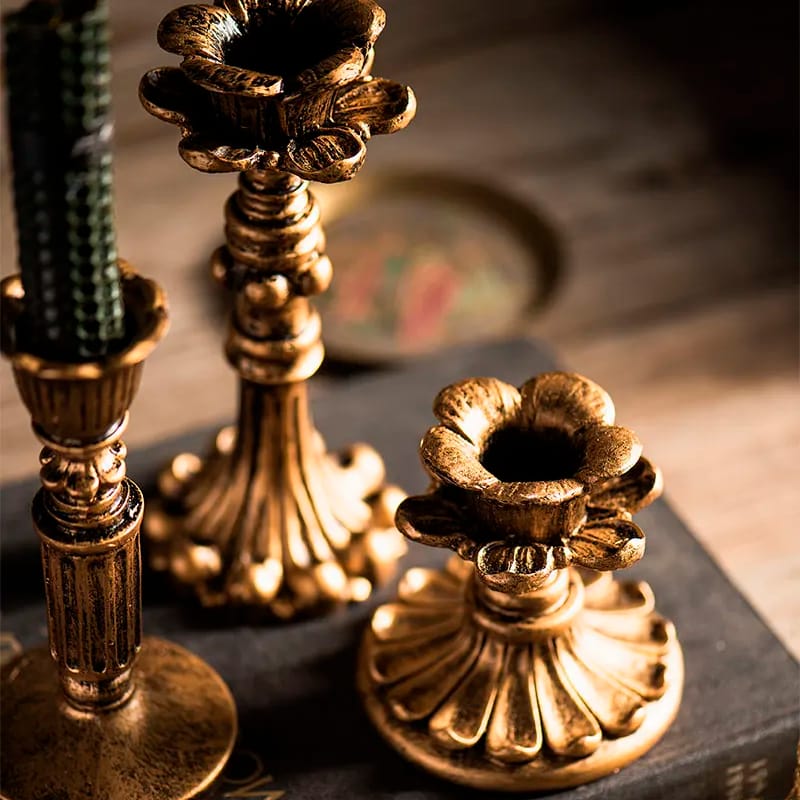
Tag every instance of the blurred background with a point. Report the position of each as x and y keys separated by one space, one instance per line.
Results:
x=618 y=179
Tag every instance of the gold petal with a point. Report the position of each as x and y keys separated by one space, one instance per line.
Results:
x=228 y=79
x=395 y=621
x=565 y=400
x=168 y=94
x=649 y=631
x=607 y=544
x=418 y=697
x=462 y=719
x=393 y=662
x=475 y=408
x=453 y=460
x=382 y=106
x=569 y=727
x=211 y=156
x=514 y=568
x=432 y=520
x=360 y=21
x=341 y=67
x=609 y=451
x=198 y=30
x=617 y=709
x=515 y=730
x=330 y=155
x=630 y=492
x=636 y=669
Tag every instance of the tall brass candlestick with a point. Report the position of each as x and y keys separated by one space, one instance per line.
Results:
x=93 y=718
x=281 y=92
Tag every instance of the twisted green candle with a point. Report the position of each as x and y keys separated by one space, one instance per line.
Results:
x=57 y=71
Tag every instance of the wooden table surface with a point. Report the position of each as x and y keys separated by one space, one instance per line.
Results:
x=662 y=162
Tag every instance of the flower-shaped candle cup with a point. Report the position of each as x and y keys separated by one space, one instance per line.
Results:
x=521 y=666
x=545 y=467
x=282 y=84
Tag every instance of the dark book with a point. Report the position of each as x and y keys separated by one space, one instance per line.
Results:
x=303 y=732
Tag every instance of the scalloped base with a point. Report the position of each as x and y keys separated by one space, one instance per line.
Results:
x=475 y=770
x=282 y=527
x=487 y=709
x=170 y=740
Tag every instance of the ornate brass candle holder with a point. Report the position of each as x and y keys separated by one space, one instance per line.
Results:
x=281 y=92
x=524 y=665
x=94 y=717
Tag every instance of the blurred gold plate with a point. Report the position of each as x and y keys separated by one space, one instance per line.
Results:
x=426 y=260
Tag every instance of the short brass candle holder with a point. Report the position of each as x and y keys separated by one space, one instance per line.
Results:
x=94 y=718
x=280 y=91
x=524 y=665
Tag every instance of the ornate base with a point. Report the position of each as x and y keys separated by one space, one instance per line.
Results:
x=170 y=740
x=494 y=699
x=272 y=520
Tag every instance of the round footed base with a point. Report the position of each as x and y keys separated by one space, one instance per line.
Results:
x=170 y=740
x=471 y=768
x=504 y=699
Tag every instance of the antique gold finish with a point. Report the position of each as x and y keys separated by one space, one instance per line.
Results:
x=281 y=92
x=92 y=718
x=524 y=665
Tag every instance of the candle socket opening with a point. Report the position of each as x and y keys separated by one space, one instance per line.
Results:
x=66 y=349
x=277 y=44
x=521 y=454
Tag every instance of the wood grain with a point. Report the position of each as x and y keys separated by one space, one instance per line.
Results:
x=680 y=296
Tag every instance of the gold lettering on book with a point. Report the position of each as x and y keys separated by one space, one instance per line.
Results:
x=747 y=780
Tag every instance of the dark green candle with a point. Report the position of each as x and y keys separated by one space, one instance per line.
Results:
x=57 y=70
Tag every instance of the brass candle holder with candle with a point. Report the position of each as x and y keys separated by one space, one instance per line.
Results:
x=100 y=714
x=281 y=92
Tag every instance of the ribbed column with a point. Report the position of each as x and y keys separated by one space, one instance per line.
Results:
x=273 y=261
x=92 y=584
